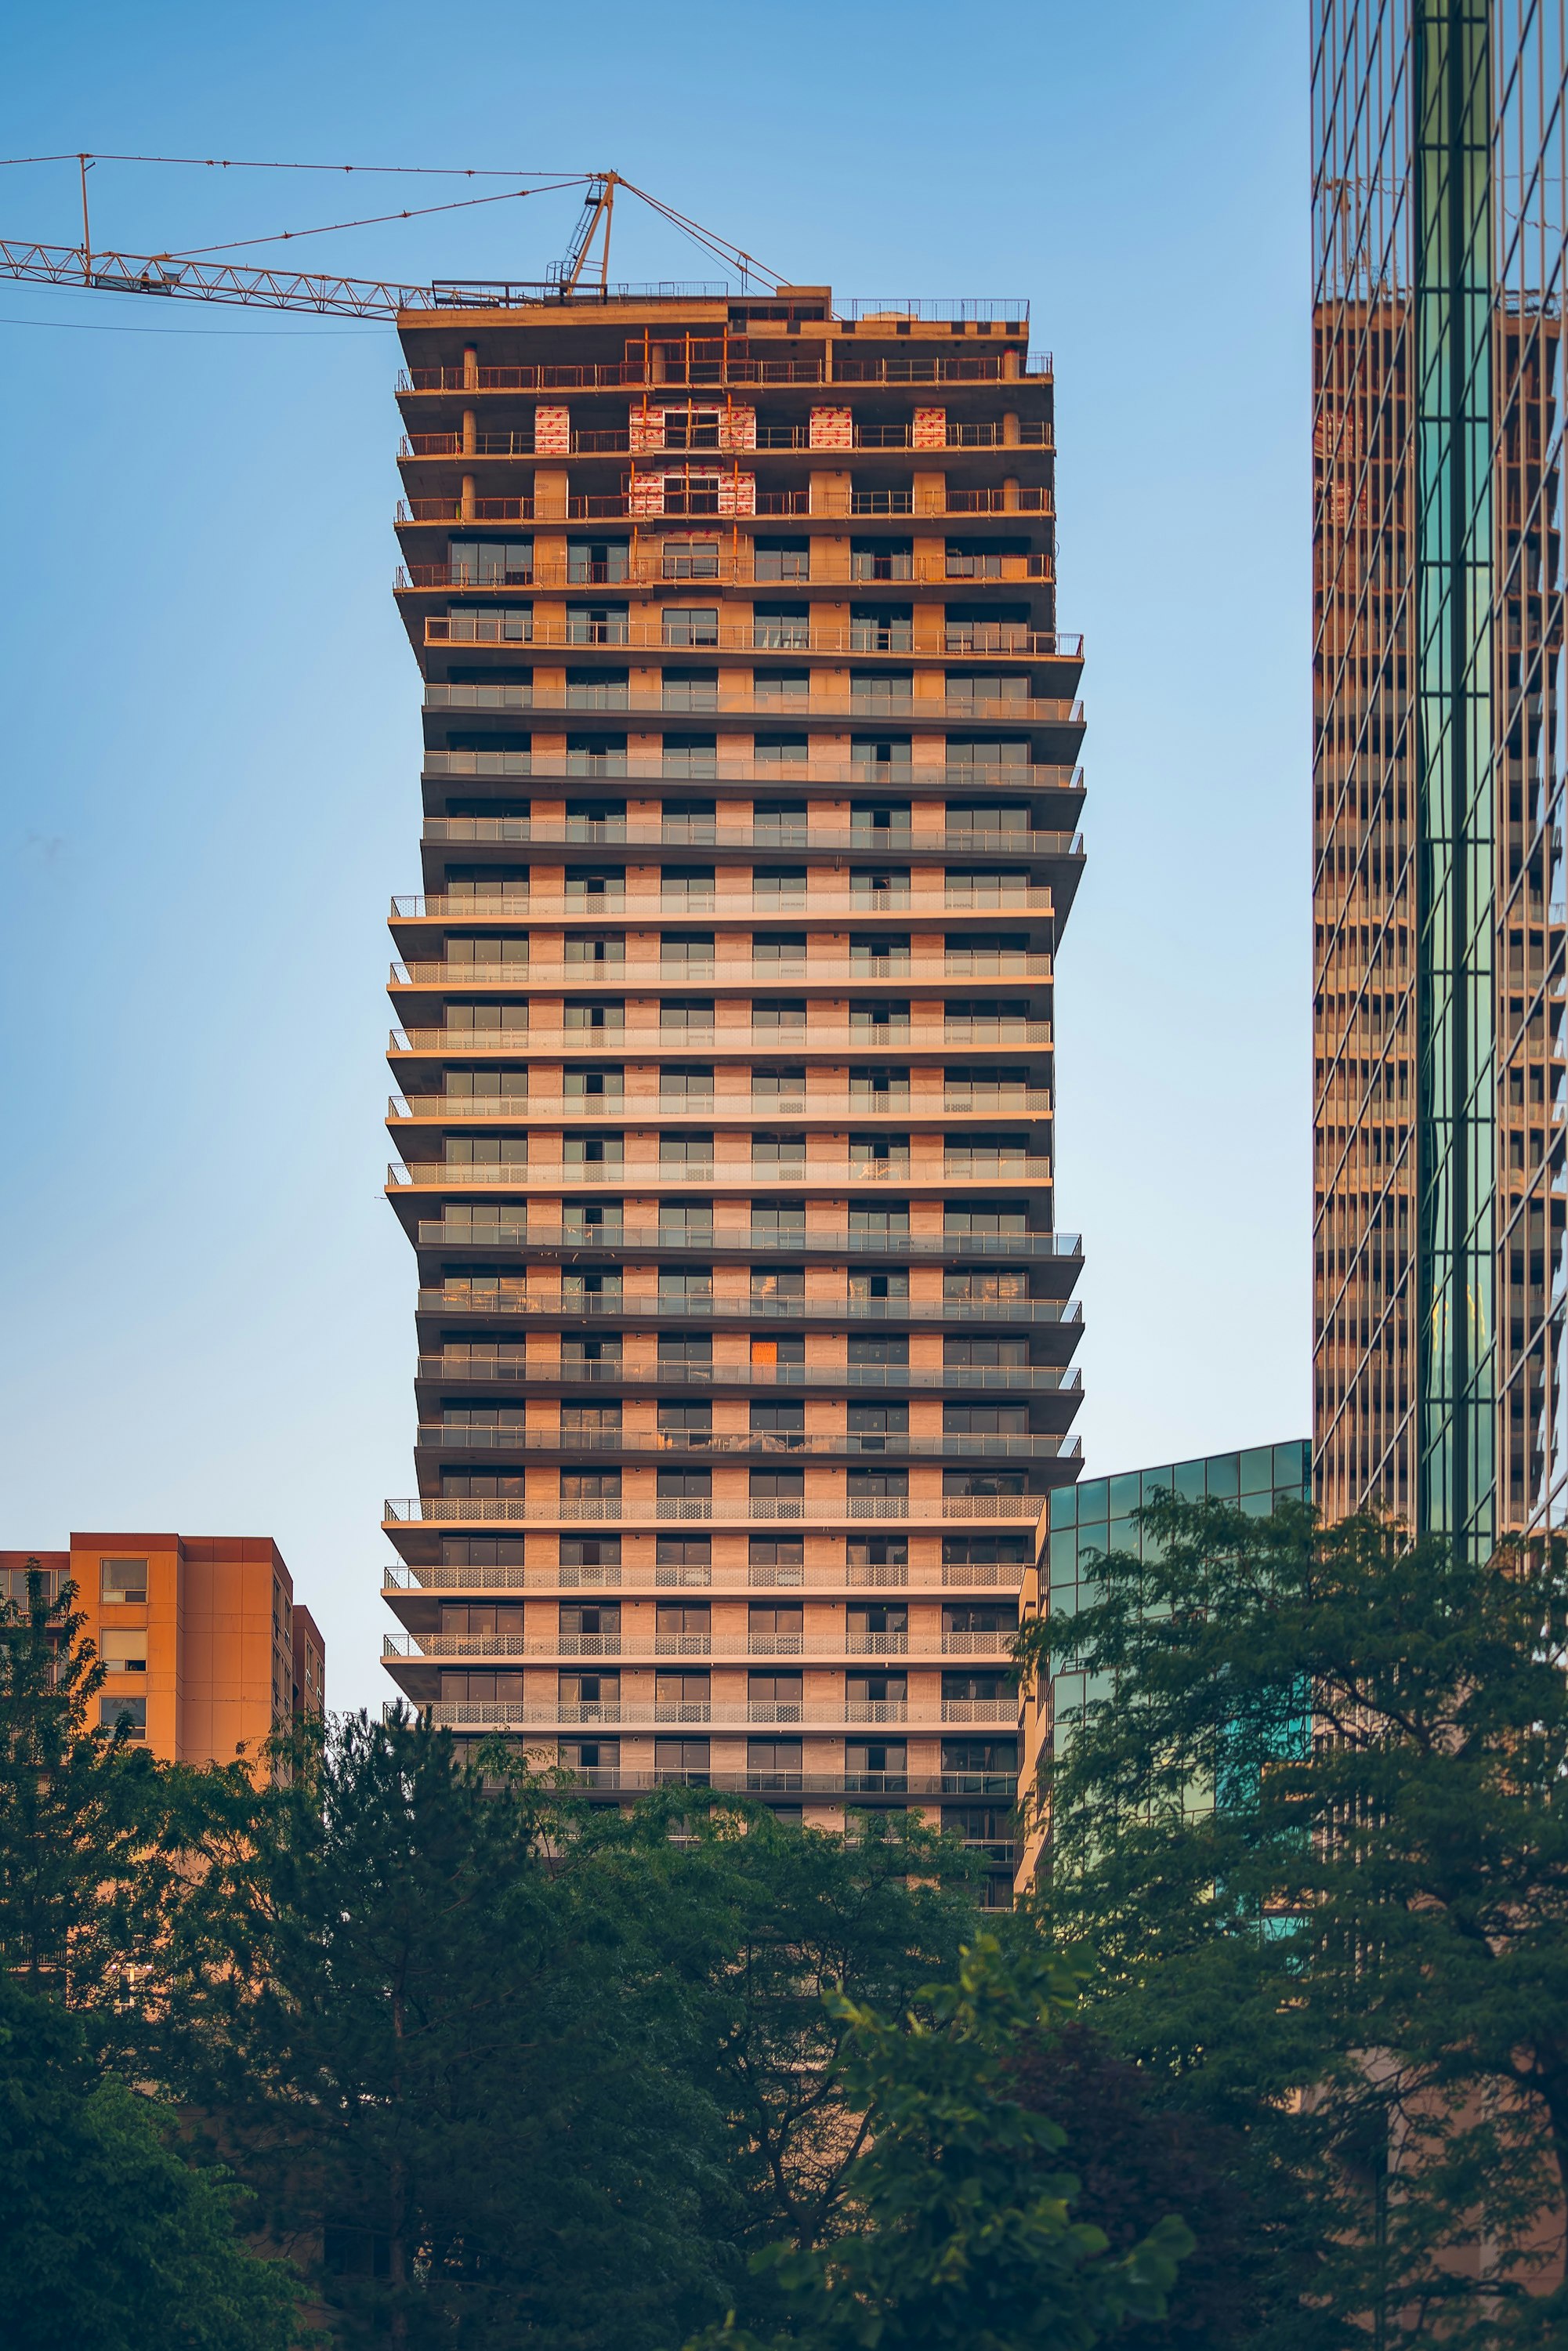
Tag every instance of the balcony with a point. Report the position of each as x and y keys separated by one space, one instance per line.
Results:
x=996 y=639
x=624 y=1241
x=727 y=1109
x=506 y=1510
x=640 y=973
x=457 y=1366
x=766 y=840
x=862 y=710
x=504 y=1714
x=1018 y=776
x=876 y=1645
x=704 y=1447
x=664 y=1176
x=730 y=369
x=919 y=1037
x=730 y=569
x=737 y=1581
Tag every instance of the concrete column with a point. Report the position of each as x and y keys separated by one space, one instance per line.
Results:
x=1010 y=494
x=471 y=430
x=1011 y=429
x=467 y=497
x=470 y=367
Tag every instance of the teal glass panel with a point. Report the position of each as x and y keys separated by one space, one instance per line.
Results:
x=1124 y=1534
x=1156 y=1482
x=1125 y=1495
x=1091 y=1542
x=1191 y=1483
x=1258 y=1471
x=1091 y=1500
x=1065 y=1507
x=1257 y=1506
x=1064 y=1554
x=1292 y=1466
x=1224 y=1475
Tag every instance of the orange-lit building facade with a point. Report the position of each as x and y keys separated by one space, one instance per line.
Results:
x=206 y=1650
x=724 y=1055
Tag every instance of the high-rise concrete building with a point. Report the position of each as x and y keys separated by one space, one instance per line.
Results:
x=724 y=1055
x=1441 y=285
x=206 y=1651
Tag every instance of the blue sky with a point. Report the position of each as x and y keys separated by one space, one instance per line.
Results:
x=211 y=783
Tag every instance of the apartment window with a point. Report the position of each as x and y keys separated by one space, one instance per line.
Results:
x=985 y=1550
x=123 y=1648
x=122 y=1583
x=683 y=1486
x=772 y=1561
x=984 y=1216
x=887 y=628
x=597 y=563
x=876 y=1766
x=877 y=1559
x=983 y=1482
x=695 y=1347
x=783 y=1154
x=686 y=1221
x=591 y=1550
x=779 y=1281
x=787 y=1347
x=695 y=557
x=775 y=1630
x=594 y=1150
x=1011 y=1355
x=683 y=1628
x=876 y=1689
x=882 y=1621
x=592 y=1691
x=482 y=1622
x=985 y=1419
x=779 y=1012
x=773 y=1697
x=590 y=1485
x=781 y=628
x=576 y=1353
x=682 y=1559
x=684 y=947
x=129 y=1712
x=595 y=881
x=980 y=1758
x=696 y=624
x=781 y=949
x=590 y=1220
x=982 y=1689
x=782 y=559
x=466 y=1483
x=869 y=1288
x=874 y=1423
x=597 y=1621
x=601 y=1756
x=694 y=1012
x=887 y=817
x=598 y=947
x=781 y=1221
x=683 y=1285
x=583 y=1288
x=886 y=1020
x=683 y=1761
x=782 y=1490
x=780 y=823
x=490 y=562
x=510 y=624
x=984 y=1284
x=868 y=1485
x=682 y=1696
x=597 y=624
x=781 y=750
x=993 y=816
x=781 y=1420
x=882 y=559
x=684 y=1422
x=989 y=1618
x=590 y=1084
x=868 y=1353
x=773 y=1762
x=691 y=689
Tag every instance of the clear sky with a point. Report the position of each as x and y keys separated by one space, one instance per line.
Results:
x=210 y=779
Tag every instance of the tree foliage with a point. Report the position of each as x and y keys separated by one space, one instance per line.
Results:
x=108 y=2235
x=965 y=2239
x=1312 y=1828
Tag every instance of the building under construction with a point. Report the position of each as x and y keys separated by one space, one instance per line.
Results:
x=723 y=1058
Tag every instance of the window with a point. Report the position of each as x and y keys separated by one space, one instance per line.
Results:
x=682 y=1559
x=974 y=1687
x=682 y=1628
x=773 y=1561
x=693 y=1347
x=875 y=1765
x=782 y=559
x=773 y=1697
x=589 y=1084
x=980 y=1758
x=596 y=563
x=691 y=428
x=1011 y=1355
x=883 y=558
x=126 y=1716
x=872 y=1423
x=885 y=1621
x=783 y=751
x=690 y=1012
x=780 y=1154
x=877 y=1559
x=783 y=1422
x=865 y=1288
x=985 y=1419
x=683 y=1760
x=681 y=882
x=123 y=1583
x=773 y=1762
x=879 y=1349
x=684 y=1422
x=596 y=946
x=593 y=1692
x=691 y=625
x=691 y=689
x=781 y=628
x=597 y=624
x=787 y=1347
x=590 y=1485
x=681 y=1696
x=686 y=948
x=690 y=558
x=680 y=1285
x=783 y=1490
x=779 y=1012
x=591 y=1550
x=876 y=1689
x=1006 y=1283
x=985 y=1550
x=124 y=1648
x=779 y=1281
x=509 y=624
x=689 y=1486
x=490 y=562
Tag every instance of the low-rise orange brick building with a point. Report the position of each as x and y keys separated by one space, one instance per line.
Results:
x=206 y=1651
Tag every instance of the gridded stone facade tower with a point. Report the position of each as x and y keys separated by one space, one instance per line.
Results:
x=724 y=1054
x=1442 y=1237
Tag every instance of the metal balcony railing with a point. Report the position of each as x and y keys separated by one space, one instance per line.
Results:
x=969 y=1379
x=622 y=1510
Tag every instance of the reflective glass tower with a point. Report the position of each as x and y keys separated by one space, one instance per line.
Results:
x=1441 y=272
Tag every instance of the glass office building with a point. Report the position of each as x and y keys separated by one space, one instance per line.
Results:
x=1440 y=1259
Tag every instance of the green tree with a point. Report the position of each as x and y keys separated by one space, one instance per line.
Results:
x=96 y=1836
x=108 y=2237
x=759 y=1919
x=965 y=2239
x=1312 y=1828
x=439 y=2057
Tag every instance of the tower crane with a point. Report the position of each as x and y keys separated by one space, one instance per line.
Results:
x=196 y=276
